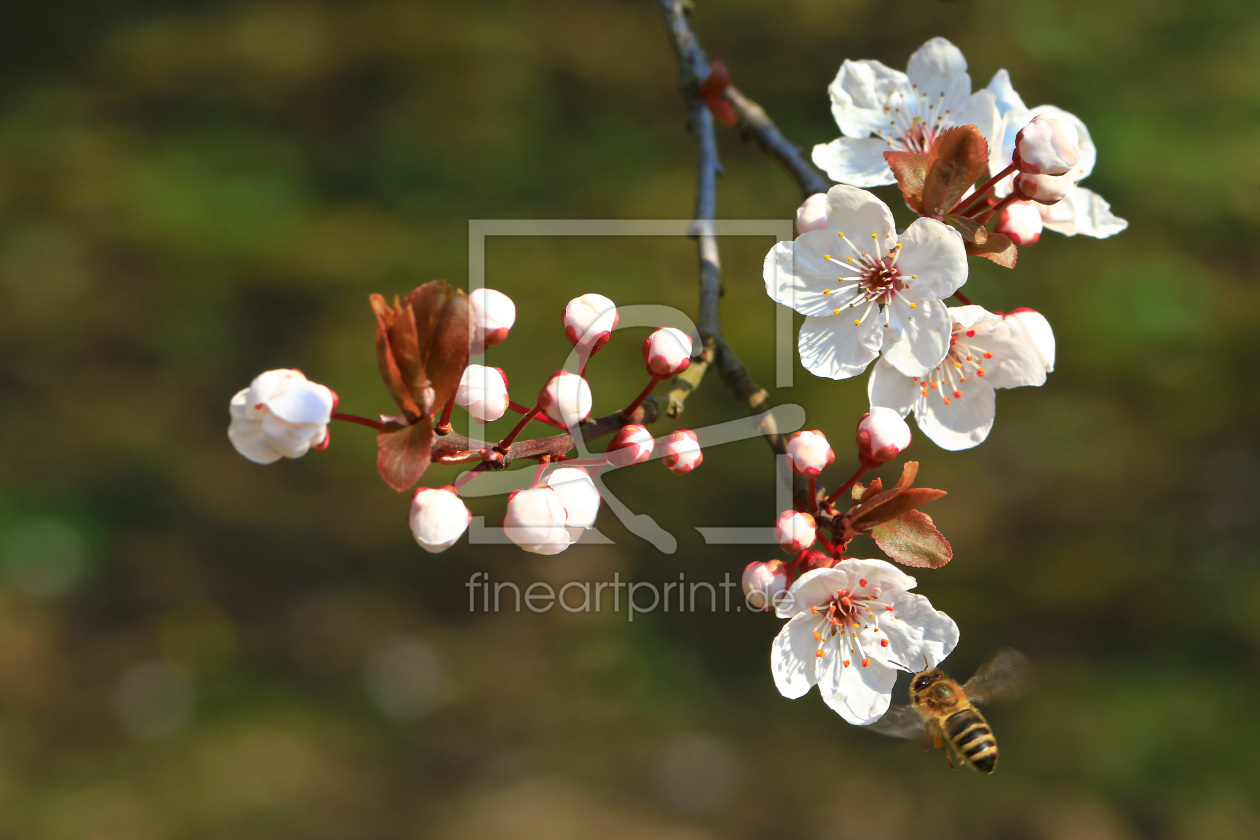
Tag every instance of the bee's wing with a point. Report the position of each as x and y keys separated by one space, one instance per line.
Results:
x=1005 y=676
x=899 y=722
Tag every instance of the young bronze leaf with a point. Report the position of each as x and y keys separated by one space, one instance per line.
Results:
x=391 y=328
x=876 y=495
x=971 y=230
x=442 y=318
x=909 y=168
x=957 y=158
x=998 y=248
x=402 y=453
x=861 y=494
x=888 y=509
x=912 y=540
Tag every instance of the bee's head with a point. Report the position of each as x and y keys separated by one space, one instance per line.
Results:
x=924 y=679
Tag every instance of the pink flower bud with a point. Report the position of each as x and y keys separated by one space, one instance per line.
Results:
x=812 y=215
x=667 y=352
x=1036 y=329
x=631 y=445
x=483 y=391
x=764 y=584
x=808 y=453
x=1021 y=221
x=535 y=520
x=438 y=518
x=282 y=414
x=1046 y=146
x=578 y=496
x=810 y=560
x=1043 y=189
x=493 y=314
x=680 y=451
x=566 y=398
x=881 y=436
x=589 y=321
x=794 y=530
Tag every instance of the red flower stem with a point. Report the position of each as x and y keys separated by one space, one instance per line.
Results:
x=539 y=470
x=963 y=299
x=638 y=401
x=520 y=426
x=813 y=496
x=582 y=462
x=444 y=424
x=998 y=208
x=542 y=418
x=468 y=476
x=846 y=487
x=979 y=194
x=362 y=421
x=827 y=545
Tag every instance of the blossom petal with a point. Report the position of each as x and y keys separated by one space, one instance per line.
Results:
x=1004 y=94
x=813 y=589
x=793 y=660
x=853 y=161
x=836 y=348
x=859 y=93
x=865 y=693
x=1084 y=143
x=1082 y=211
x=980 y=109
x=248 y=438
x=303 y=402
x=858 y=214
x=962 y=423
x=1015 y=361
x=876 y=573
x=797 y=274
x=939 y=70
x=890 y=388
x=934 y=254
x=919 y=635
x=923 y=339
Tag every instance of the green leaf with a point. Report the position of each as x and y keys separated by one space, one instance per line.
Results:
x=910 y=170
x=912 y=540
x=403 y=453
x=998 y=247
x=957 y=158
x=971 y=230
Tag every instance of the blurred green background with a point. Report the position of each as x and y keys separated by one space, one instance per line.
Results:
x=194 y=646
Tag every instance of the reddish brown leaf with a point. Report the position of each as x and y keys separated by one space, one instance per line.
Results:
x=957 y=158
x=402 y=453
x=910 y=170
x=442 y=318
x=395 y=340
x=998 y=248
x=861 y=493
x=971 y=230
x=906 y=500
x=912 y=540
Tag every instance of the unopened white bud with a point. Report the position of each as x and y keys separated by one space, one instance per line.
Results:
x=631 y=445
x=566 y=398
x=764 y=584
x=282 y=414
x=438 y=518
x=589 y=321
x=1021 y=221
x=579 y=497
x=812 y=214
x=1043 y=189
x=1036 y=329
x=535 y=520
x=881 y=436
x=680 y=451
x=808 y=453
x=493 y=315
x=483 y=391
x=1047 y=146
x=667 y=352
x=794 y=530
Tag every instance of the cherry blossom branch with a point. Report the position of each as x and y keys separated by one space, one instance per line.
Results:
x=754 y=123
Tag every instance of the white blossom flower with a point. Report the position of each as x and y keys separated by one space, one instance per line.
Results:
x=1081 y=211
x=536 y=520
x=566 y=398
x=954 y=404
x=863 y=289
x=764 y=583
x=879 y=109
x=850 y=629
x=483 y=391
x=1037 y=330
x=282 y=414
x=438 y=518
x=579 y=497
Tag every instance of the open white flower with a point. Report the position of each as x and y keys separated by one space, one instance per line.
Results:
x=850 y=629
x=282 y=414
x=955 y=404
x=1080 y=211
x=880 y=109
x=864 y=289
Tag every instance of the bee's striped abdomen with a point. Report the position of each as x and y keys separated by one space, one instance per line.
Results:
x=972 y=738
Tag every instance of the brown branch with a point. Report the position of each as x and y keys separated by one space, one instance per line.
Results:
x=754 y=124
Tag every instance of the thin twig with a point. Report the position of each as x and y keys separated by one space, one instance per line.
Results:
x=754 y=123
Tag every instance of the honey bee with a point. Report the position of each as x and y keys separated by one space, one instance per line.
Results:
x=946 y=714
